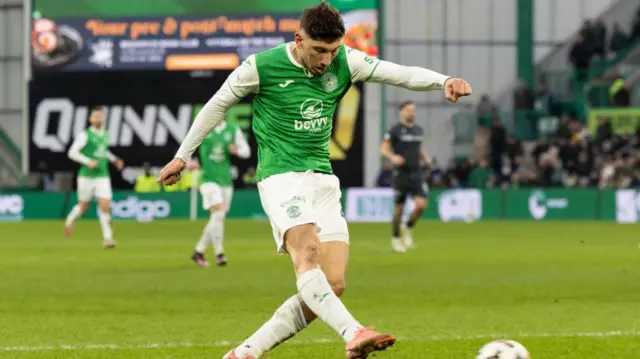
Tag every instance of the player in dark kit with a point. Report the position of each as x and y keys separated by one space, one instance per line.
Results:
x=402 y=145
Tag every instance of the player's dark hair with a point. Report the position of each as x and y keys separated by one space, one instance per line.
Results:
x=322 y=22
x=96 y=108
x=405 y=104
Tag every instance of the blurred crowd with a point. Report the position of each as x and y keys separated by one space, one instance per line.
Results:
x=594 y=43
x=570 y=159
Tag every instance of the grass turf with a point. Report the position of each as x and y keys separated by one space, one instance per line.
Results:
x=563 y=289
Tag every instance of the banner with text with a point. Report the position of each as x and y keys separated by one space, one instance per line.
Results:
x=147 y=121
x=177 y=39
x=360 y=205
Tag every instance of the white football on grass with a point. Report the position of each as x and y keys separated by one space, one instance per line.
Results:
x=503 y=349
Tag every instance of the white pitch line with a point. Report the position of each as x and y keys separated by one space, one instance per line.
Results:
x=225 y=343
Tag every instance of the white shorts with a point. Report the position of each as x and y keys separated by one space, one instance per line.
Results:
x=88 y=188
x=295 y=198
x=213 y=194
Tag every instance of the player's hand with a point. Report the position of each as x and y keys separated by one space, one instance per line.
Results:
x=119 y=163
x=428 y=160
x=93 y=164
x=172 y=172
x=455 y=88
x=233 y=149
x=397 y=160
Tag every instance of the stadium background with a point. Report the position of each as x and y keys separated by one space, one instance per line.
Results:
x=511 y=41
x=537 y=171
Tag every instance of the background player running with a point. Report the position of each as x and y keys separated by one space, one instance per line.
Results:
x=90 y=149
x=216 y=186
x=297 y=88
x=402 y=146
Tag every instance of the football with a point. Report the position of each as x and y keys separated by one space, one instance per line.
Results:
x=503 y=349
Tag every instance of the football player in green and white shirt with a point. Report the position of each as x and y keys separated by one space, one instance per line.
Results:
x=90 y=149
x=297 y=87
x=216 y=186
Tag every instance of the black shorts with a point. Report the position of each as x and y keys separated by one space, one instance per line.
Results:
x=409 y=184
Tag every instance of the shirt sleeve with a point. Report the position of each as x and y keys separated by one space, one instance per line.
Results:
x=111 y=156
x=371 y=69
x=244 y=151
x=241 y=82
x=77 y=145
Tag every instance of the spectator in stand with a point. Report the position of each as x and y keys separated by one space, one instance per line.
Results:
x=549 y=166
x=463 y=171
x=513 y=147
x=635 y=181
x=45 y=179
x=625 y=170
x=451 y=174
x=481 y=176
x=607 y=173
x=583 y=169
x=619 y=39
x=600 y=39
x=635 y=26
x=503 y=178
x=588 y=30
x=437 y=177
x=523 y=100
x=498 y=142
x=385 y=177
x=563 y=131
x=523 y=97
x=620 y=90
x=604 y=132
x=525 y=174
x=481 y=148
x=580 y=56
x=544 y=103
x=486 y=110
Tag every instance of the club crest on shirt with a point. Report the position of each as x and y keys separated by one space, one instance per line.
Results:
x=329 y=81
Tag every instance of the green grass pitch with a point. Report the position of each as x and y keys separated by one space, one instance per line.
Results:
x=563 y=289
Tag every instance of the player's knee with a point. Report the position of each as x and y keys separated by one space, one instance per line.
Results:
x=311 y=253
x=338 y=286
x=302 y=242
x=217 y=208
x=420 y=203
x=105 y=206
x=397 y=210
x=84 y=207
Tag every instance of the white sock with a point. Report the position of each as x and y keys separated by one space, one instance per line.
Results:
x=201 y=247
x=217 y=231
x=319 y=297
x=285 y=323
x=73 y=215
x=203 y=243
x=105 y=224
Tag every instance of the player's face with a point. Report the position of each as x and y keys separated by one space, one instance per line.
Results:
x=96 y=119
x=316 y=55
x=408 y=113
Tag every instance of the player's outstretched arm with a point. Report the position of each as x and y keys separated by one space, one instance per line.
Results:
x=370 y=69
x=387 y=152
x=244 y=151
x=240 y=83
x=428 y=161
x=74 y=151
x=117 y=161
